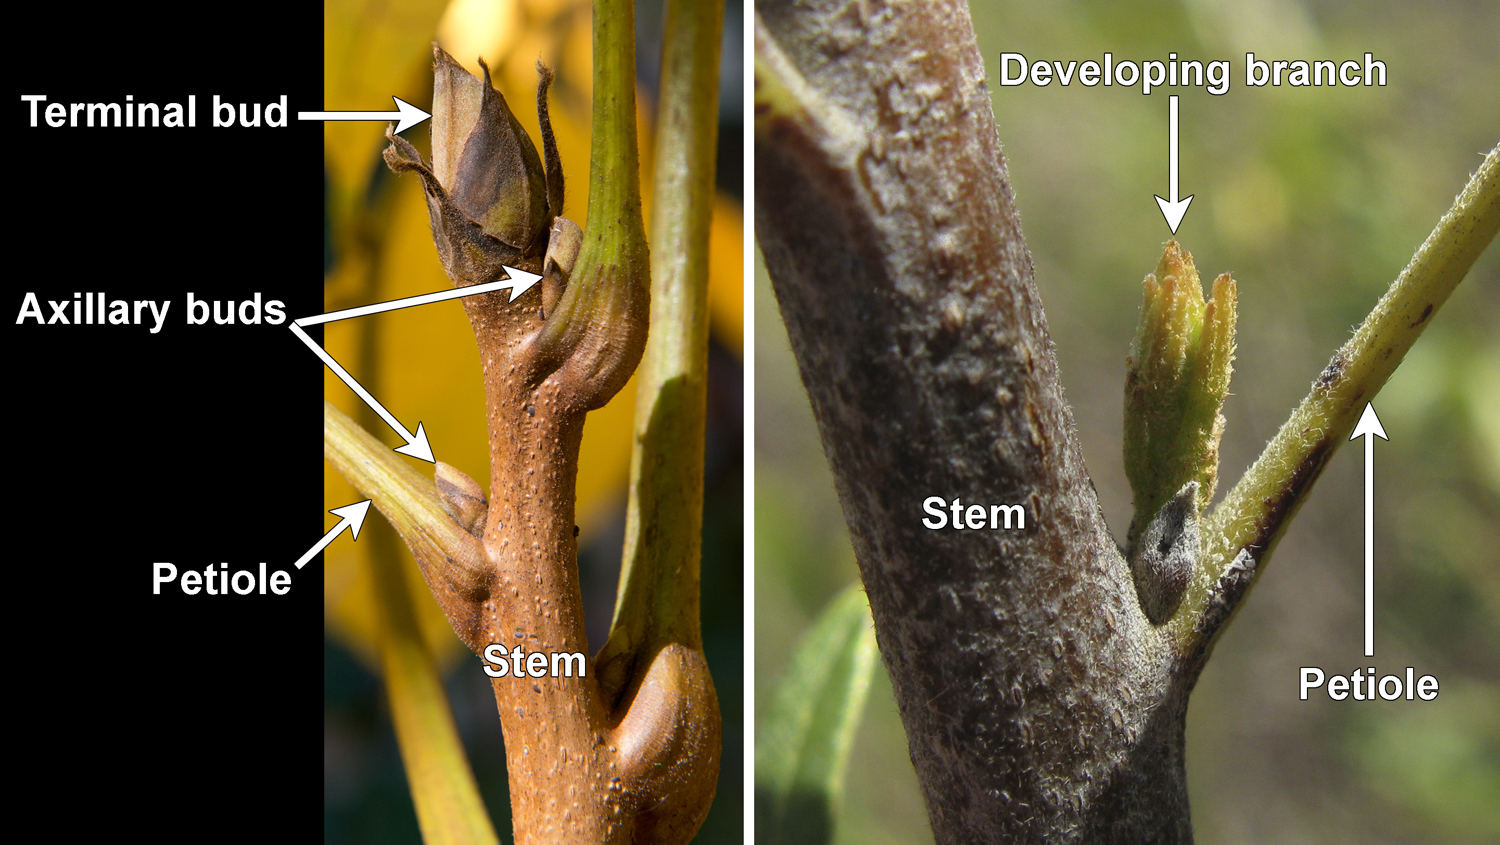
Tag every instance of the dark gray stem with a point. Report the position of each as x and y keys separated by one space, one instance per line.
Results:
x=1039 y=702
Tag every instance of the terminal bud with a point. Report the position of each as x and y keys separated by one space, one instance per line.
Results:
x=489 y=198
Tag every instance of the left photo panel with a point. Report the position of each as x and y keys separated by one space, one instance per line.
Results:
x=499 y=242
x=531 y=339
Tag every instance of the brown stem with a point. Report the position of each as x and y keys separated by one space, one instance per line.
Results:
x=622 y=752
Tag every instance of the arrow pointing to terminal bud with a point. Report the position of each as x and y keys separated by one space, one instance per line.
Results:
x=406 y=115
x=519 y=282
x=1369 y=428
x=1173 y=209
x=353 y=516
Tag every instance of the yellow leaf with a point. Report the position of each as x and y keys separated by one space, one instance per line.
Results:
x=372 y=50
x=726 y=272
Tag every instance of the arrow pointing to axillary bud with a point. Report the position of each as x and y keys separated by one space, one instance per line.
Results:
x=406 y=115
x=519 y=282
x=1369 y=428
x=1173 y=209
x=416 y=444
x=353 y=517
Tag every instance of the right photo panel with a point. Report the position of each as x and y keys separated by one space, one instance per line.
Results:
x=1126 y=422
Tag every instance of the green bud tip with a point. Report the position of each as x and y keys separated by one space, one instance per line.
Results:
x=1177 y=375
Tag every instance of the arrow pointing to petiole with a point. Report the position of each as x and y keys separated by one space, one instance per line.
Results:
x=353 y=517
x=1173 y=209
x=406 y=115
x=1369 y=427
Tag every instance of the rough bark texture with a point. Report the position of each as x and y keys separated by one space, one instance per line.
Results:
x=1039 y=702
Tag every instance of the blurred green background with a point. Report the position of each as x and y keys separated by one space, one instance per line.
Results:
x=1314 y=198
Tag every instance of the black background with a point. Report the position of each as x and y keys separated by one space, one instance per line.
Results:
x=179 y=715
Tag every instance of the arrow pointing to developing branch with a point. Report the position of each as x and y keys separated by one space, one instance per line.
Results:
x=406 y=115
x=416 y=443
x=1173 y=209
x=353 y=517
x=1369 y=428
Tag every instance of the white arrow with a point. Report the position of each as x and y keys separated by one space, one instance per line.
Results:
x=1173 y=209
x=519 y=282
x=406 y=115
x=353 y=516
x=1369 y=427
x=416 y=444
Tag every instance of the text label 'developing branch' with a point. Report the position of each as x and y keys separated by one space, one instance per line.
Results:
x=1212 y=76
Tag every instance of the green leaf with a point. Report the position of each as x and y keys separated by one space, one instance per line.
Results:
x=802 y=747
